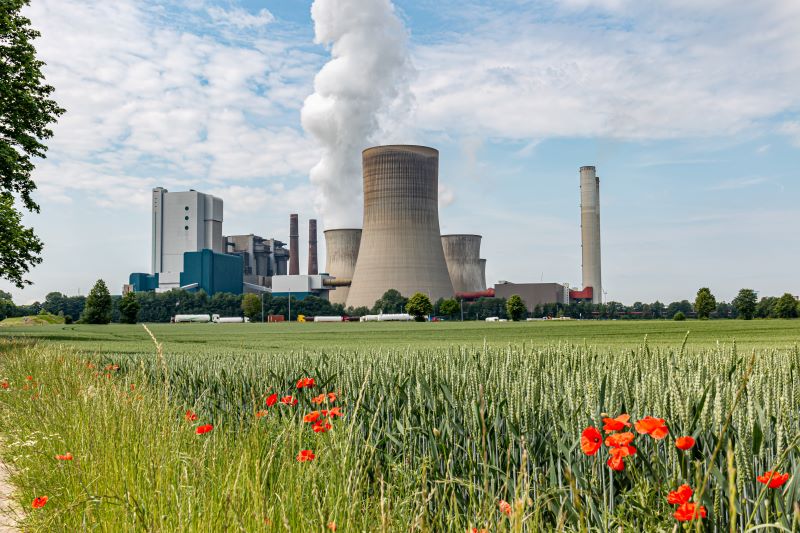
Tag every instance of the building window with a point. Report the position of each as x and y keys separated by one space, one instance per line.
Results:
x=186 y=208
x=186 y=218
x=186 y=228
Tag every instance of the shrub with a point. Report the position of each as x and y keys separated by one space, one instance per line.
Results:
x=679 y=316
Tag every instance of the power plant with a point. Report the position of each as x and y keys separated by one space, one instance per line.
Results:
x=463 y=256
x=401 y=246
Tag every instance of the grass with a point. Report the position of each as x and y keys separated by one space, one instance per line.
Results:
x=33 y=320
x=437 y=430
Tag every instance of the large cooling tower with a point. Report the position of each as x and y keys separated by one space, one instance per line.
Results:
x=401 y=247
x=483 y=274
x=463 y=256
x=590 y=232
x=341 y=255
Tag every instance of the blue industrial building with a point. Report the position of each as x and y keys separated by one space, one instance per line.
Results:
x=213 y=272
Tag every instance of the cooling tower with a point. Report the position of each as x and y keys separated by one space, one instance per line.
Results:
x=463 y=256
x=313 y=265
x=294 y=245
x=483 y=274
x=341 y=254
x=590 y=232
x=401 y=247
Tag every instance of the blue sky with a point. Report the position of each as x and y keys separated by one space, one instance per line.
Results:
x=690 y=111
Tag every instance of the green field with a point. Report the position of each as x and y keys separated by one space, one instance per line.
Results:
x=277 y=338
x=443 y=423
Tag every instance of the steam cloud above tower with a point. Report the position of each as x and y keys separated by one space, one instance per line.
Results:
x=368 y=75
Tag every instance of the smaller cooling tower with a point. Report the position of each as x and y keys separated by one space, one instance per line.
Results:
x=462 y=253
x=341 y=254
x=401 y=246
x=313 y=265
x=294 y=246
x=483 y=274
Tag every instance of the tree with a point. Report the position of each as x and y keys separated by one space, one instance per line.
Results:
x=679 y=316
x=98 y=305
x=449 y=307
x=26 y=112
x=705 y=303
x=745 y=303
x=419 y=306
x=515 y=308
x=251 y=305
x=786 y=307
x=391 y=302
x=129 y=309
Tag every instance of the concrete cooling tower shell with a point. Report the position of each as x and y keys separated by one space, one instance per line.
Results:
x=483 y=274
x=341 y=255
x=401 y=247
x=463 y=256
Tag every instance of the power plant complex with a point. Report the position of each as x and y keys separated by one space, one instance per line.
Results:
x=399 y=247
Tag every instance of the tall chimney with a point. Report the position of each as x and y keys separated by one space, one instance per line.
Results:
x=590 y=232
x=313 y=266
x=294 y=245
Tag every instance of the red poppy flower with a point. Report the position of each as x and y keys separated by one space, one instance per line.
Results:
x=305 y=456
x=305 y=382
x=505 y=507
x=272 y=399
x=336 y=411
x=202 y=430
x=332 y=397
x=39 y=502
x=619 y=439
x=773 y=479
x=616 y=424
x=680 y=496
x=66 y=457
x=321 y=426
x=655 y=427
x=689 y=511
x=476 y=530
x=616 y=463
x=684 y=443
x=313 y=416
x=318 y=399
x=190 y=415
x=591 y=440
x=30 y=378
x=4 y=384
x=332 y=526
x=262 y=413
x=288 y=400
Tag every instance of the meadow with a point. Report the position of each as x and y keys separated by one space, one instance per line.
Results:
x=443 y=427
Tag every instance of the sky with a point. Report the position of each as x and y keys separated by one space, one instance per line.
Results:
x=689 y=110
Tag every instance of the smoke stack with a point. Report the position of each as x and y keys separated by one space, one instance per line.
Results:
x=294 y=246
x=590 y=232
x=463 y=253
x=401 y=246
x=341 y=247
x=483 y=274
x=313 y=266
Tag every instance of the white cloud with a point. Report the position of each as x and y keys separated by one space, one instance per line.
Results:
x=738 y=183
x=148 y=103
x=240 y=18
x=792 y=130
x=637 y=72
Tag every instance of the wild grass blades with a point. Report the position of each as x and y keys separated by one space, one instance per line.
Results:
x=433 y=439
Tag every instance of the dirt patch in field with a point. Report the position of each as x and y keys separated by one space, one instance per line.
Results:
x=10 y=512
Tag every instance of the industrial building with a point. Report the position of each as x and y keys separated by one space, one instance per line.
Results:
x=182 y=222
x=261 y=258
x=212 y=272
x=301 y=286
x=534 y=294
x=463 y=256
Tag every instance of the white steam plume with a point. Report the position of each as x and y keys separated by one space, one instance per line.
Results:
x=368 y=77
